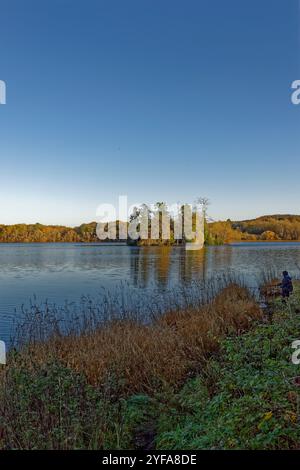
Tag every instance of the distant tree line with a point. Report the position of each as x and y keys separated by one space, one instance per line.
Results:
x=274 y=227
x=29 y=233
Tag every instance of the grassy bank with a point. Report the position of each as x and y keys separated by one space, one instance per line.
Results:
x=215 y=376
x=247 y=398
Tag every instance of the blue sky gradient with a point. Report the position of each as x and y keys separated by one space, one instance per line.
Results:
x=159 y=100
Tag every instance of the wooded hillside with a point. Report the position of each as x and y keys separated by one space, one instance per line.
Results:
x=270 y=227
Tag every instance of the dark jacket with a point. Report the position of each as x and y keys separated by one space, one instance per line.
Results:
x=286 y=284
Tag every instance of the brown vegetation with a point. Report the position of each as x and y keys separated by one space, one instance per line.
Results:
x=139 y=357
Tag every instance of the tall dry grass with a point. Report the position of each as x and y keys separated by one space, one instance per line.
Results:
x=134 y=357
x=65 y=388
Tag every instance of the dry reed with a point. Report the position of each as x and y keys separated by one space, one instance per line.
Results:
x=137 y=357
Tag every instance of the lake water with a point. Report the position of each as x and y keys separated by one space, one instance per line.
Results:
x=65 y=272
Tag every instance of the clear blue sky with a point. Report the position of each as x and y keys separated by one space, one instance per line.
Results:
x=156 y=99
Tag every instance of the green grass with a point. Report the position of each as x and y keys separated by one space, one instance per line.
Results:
x=246 y=398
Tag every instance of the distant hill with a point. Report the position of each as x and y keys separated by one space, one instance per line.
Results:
x=280 y=217
x=267 y=227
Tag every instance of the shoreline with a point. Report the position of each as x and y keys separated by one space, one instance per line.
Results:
x=136 y=386
x=119 y=243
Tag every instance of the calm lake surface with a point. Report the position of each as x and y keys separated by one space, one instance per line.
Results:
x=65 y=272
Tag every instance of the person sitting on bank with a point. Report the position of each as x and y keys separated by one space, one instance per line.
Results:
x=286 y=285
